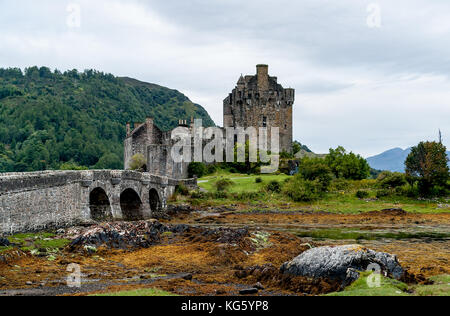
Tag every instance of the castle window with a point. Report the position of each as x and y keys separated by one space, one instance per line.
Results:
x=264 y=121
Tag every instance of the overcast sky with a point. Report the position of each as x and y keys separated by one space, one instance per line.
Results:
x=369 y=75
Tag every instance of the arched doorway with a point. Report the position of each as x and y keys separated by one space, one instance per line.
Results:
x=131 y=205
x=99 y=205
x=155 y=202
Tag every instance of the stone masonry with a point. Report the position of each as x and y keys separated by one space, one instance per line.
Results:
x=53 y=199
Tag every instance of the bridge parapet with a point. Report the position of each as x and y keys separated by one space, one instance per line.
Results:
x=52 y=199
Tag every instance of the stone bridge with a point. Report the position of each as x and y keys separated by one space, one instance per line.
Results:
x=54 y=199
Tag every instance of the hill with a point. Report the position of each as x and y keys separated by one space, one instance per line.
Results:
x=48 y=119
x=392 y=160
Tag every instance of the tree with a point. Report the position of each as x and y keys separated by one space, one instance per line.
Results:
x=109 y=161
x=347 y=165
x=428 y=165
x=316 y=169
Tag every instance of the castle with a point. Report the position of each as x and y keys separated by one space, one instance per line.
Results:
x=256 y=101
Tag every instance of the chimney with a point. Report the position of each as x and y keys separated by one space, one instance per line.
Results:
x=262 y=72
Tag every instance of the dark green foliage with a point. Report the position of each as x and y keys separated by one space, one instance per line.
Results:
x=375 y=173
x=427 y=165
x=383 y=193
x=198 y=195
x=301 y=190
x=347 y=165
x=258 y=180
x=182 y=190
x=197 y=169
x=274 y=186
x=248 y=196
x=51 y=118
x=362 y=194
x=246 y=167
x=316 y=169
x=391 y=180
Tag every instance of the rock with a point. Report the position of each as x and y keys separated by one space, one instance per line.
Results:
x=187 y=277
x=249 y=291
x=342 y=263
x=4 y=242
x=29 y=283
x=259 y=286
x=220 y=292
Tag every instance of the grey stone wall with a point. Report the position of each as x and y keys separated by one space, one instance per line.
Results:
x=54 y=199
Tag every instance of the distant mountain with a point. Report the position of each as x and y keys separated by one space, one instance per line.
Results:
x=392 y=160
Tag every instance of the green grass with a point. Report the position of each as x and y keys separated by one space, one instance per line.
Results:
x=441 y=287
x=241 y=183
x=340 y=200
x=4 y=248
x=390 y=287
x=33 y=242
x=140 y=292
x=352 y=234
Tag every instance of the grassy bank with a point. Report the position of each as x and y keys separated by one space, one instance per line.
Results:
x=250 y=194
x=390 y=287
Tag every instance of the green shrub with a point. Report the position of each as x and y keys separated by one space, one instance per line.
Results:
x=340 y=185
x=220 y=195
x=182 y=190
x=391 y=180
x=383 y=193
x=258 y=180
x=301 y=190
x=316 y=169
x=138 y=163
x=198 y=195
x=247 y=196
x=223 y=185
x=274 y=186
x=362 y=194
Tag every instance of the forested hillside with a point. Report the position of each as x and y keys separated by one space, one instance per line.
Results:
x=53 y=120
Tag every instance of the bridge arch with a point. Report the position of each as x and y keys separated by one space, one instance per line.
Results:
x=154 y=200
x=99 y=205
x=131 y=205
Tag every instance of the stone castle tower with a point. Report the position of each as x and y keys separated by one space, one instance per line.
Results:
x=259 y=101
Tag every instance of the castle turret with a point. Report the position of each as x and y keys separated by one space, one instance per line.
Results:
x=262 y=72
